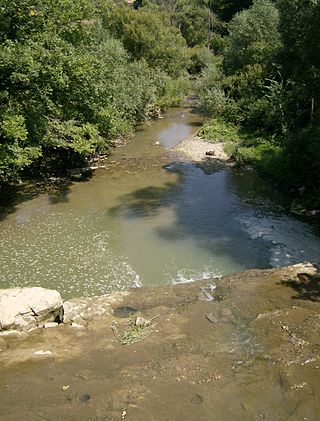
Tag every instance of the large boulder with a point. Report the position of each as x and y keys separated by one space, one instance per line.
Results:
x=25 y=308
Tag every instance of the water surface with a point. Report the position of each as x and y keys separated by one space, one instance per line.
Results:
x=149 y=219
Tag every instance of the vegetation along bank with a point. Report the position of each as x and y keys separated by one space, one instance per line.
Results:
x=76 y=75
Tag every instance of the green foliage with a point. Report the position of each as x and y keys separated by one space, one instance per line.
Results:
x=81 y=139
x=149 y=35
x=67 y=86
x=265 y=157
x=196 y=21
x=172 y=93
x=253 y=36
x=270 y=90
x=200 y=59
x=220 y=130
x=226 y=9
x=212 y=98
x=15 y=153
x=213 y=102
x=302 y=150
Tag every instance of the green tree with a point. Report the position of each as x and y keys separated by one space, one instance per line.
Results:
x=148 y=34
x=253 y=37
x=67 y=86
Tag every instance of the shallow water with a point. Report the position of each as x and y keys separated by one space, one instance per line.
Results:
x=149 y=219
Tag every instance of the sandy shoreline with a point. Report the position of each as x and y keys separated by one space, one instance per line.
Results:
x=198 y=149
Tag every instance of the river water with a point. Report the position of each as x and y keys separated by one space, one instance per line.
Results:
x=149 y=219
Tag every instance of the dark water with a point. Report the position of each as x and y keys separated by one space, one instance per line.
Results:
x=149 y=219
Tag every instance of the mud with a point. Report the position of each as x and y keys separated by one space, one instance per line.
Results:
x=255 y=357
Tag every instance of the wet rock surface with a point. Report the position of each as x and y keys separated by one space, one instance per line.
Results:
x=255 y=357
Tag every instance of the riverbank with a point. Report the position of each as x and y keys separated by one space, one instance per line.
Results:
x=222 y=141
x=242 y=347
x=198 y=149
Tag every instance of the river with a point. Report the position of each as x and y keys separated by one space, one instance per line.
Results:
x=149 y=219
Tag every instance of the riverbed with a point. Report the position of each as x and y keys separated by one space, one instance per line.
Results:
x=149 y=218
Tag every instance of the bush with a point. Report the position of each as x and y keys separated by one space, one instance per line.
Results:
x=220 y=130
x=212 y=102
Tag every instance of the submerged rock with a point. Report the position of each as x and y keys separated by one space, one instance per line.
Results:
x=26 y=308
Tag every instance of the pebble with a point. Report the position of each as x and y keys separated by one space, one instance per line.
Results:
x=77 y=326
x=211 y=318
x=43 y=353
x=196 y=399
x=50 y=324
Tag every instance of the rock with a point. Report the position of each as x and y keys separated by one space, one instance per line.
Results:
x=156 y=143
x=196 y=399
x=225 y=312
x=3 y=345
x=78 y=173
x=79 y=321
x=141 y=322
x=211 y=318
x=314 y=212
x=84 y=310
x=10 y=333
x=26 y=308
x=77 y=326
x=304 y=268
x=297 y=208
x=42 y=353
x=50 y=324
x=210 y=153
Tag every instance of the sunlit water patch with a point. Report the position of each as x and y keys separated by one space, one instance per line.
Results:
x=64 y=251
x=289 y=240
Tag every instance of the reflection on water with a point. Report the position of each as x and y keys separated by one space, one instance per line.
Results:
x=148 y=221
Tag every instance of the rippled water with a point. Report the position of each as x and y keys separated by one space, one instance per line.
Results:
x=149 y=219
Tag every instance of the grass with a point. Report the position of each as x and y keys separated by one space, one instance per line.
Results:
x=217 y=130
x=134 y=333
x=259 y=151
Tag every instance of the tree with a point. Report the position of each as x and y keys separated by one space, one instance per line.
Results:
x=67 y=87
x=253 y=37
x=148 y=34
x=300 y=55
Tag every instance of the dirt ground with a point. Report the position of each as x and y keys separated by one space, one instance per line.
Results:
x=250 y=353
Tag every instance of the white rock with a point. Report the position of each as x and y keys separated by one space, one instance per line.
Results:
x=24 y=308
x=42 y=353
x=50 y=324
x=76 y=325
x=10 y=333
x=141 y=322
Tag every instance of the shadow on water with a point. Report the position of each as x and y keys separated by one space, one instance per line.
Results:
x=203 y=211
x=307 y=287
x=145 y=202
x=195 y=123
x=57 y=191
